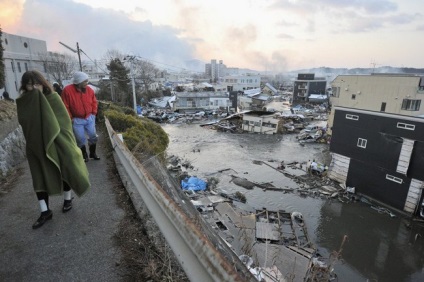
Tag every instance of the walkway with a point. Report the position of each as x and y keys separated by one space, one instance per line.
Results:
x=75 y=246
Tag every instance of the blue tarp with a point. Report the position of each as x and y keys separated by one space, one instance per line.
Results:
x=193 y=183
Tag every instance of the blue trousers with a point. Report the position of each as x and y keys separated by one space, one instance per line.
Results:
x=85 y=127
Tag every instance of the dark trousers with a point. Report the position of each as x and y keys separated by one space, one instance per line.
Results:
x=44 y=196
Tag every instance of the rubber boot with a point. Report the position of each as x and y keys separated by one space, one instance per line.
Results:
x=93 y=154
x=84 y=153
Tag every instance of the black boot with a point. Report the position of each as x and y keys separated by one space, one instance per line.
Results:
x=84 y=153
x=42 y=219
x=93 y=154
x=67 y=205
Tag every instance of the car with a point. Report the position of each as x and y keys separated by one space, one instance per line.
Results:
x=311 y=128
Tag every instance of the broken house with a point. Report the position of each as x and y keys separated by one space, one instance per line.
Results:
x=269 y=89
x=261 y=122
x=199 y=101
x=377 y=142
x=254 y=99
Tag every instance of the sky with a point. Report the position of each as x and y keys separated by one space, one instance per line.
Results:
x=262 y=35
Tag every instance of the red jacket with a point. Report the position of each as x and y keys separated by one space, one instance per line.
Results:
x=79 y=104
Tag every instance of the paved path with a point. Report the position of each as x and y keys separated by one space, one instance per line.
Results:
x=75 y=246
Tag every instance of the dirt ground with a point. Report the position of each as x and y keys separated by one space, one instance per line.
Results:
x=145 y=254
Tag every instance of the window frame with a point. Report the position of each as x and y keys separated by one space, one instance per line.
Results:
x=362 y=143
x=394 y=178
x=411 y=104
x=406 y=126
x=352 y=117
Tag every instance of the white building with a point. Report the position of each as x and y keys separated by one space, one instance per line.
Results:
x=260 y=122
x=20 y=55
x=215 y=70
x=196 y=101
x=241 y=82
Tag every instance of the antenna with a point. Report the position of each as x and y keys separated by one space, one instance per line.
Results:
x=373 y=63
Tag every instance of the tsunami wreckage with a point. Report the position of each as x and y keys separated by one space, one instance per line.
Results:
x=273 y=245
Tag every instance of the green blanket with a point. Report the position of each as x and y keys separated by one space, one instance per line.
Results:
x=52 y=152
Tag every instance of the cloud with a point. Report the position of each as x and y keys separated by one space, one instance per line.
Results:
x=246 y=34
x=346 y=15
x=99 y=30
x=285 y=36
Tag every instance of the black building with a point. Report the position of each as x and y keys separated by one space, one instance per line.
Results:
x=381 y=155
x=307 y=84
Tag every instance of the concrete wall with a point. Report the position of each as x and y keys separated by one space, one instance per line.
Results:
x=12 y=141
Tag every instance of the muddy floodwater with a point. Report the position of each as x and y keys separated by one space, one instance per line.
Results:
x=380 y=247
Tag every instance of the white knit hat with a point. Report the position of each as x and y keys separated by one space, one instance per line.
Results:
x=79 y=77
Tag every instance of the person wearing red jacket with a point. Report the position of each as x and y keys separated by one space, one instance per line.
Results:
x=81 y=103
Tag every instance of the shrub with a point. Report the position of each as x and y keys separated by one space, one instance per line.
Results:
x=141 y=135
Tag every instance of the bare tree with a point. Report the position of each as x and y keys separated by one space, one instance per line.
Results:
x=146 y=73
x=59 y=66
x=112 y=54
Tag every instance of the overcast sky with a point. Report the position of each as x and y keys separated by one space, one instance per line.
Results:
x=273 y=35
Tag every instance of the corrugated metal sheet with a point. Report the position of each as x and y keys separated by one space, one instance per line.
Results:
x=405 y=156
x=414 y=196
x=339 y=168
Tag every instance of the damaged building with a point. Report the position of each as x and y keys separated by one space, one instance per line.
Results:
x=377 y=142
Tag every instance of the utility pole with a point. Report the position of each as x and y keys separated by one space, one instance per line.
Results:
x=78 y=51
x=79 y=56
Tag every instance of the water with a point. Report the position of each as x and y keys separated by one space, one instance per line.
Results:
x=379 y=247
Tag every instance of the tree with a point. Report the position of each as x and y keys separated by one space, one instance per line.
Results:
x=60 y=66
x=146 y=74
x=118 y=73
x=2 y=69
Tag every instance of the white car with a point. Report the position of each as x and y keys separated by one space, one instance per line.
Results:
x=311 y=128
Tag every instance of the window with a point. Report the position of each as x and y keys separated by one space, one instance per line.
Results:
x=405 y=126
x=353 y=117
x=383 y=107
x=394 y=178
x=19 y=67
x=13 y=66
x=26 y=67
x=411 y=105
x=353 y=96
x=335 y=91
x=362 y=143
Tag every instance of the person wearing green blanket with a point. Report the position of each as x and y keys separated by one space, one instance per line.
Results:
x=54 y=159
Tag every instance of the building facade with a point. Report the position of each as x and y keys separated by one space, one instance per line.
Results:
x=197 y=101
x=377 y=141
x=307 y=84
x=20 y=55
x=215 y=70
x=240 y=82
x=386 y=93
x=261 y=122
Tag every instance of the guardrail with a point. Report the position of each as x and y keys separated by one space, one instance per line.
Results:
x=195 y=253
